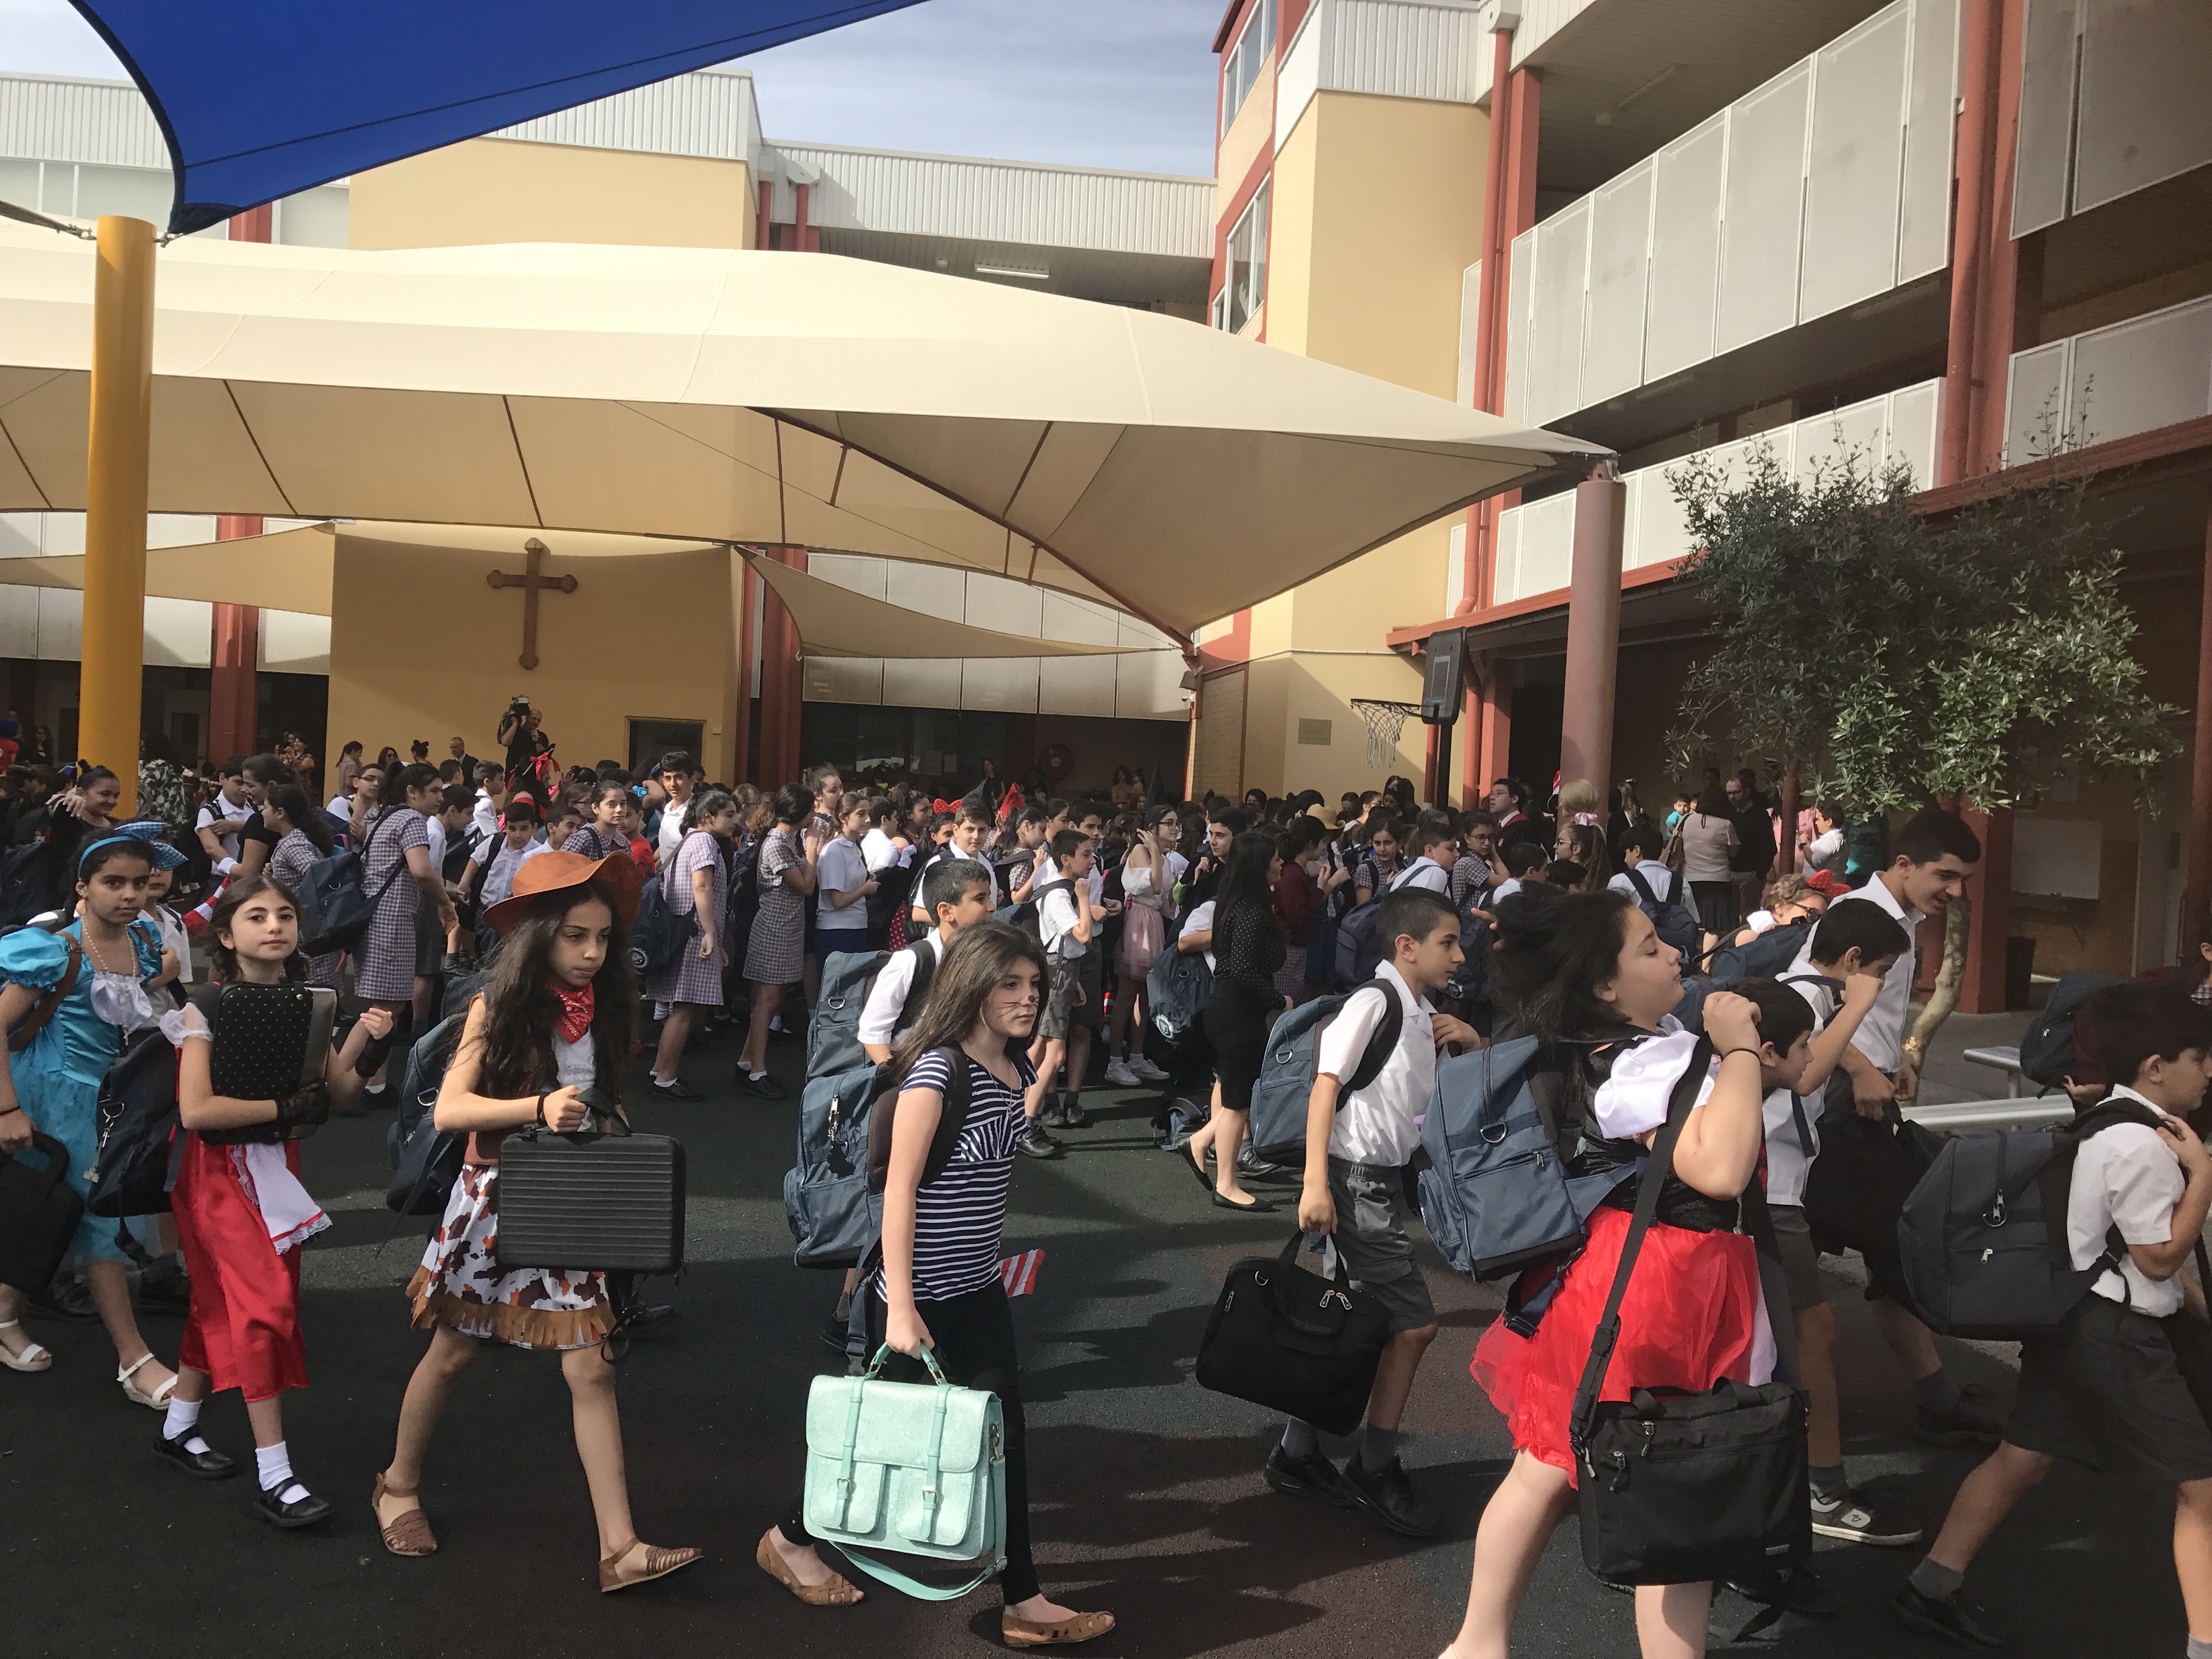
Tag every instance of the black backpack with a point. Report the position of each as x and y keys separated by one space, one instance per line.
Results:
x=2046 y=1048
x=659 y=934
x=426 y=1160
x=335 y=908
x=29 y=877
x=141 y=1142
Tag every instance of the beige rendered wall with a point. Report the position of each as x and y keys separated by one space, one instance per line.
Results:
x=1306 y=686
x=509 y=190
x=421 y=646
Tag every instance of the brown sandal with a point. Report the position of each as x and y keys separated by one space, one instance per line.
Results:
x=837 y=1592
x=656 y=1563
x=1026 y=1633
x=410 y=1534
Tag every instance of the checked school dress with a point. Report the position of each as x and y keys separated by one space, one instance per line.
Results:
x=385 y=971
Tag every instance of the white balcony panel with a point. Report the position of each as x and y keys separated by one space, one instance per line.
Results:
x=2045 y=142
x=1521 y=276
x=293 y=642
x=1923 y=230
x=1077 y=685
x=1914 y=414
x=1855 y=434
x=1762 y=209
x=845 y=679
x=1505 y=576
x=1078 y=621
x=851 y=571
x=1548 y=544
x=19 y=621
x=1427 y=49
x=1470 y=298
x=1007 y=607
x=2145 y=112
x=1456 y=569
x=1298 y=77
x=61 y=624
x=1685 y=245
x=1148 y=685
x=1620 y=262
x=2146 y=372
x=1555 y=328
x=1855 y=168
x=179 y=633
x=1661 y=529
x=932 y=589
x=1005 y=683
x=2035 y=402
x=921 y=683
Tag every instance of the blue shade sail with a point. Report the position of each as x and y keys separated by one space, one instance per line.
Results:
x=261 y=98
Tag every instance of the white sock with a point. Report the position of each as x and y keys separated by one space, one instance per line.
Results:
x=275 y=1470
x=183 y=1416
x=755 y=1076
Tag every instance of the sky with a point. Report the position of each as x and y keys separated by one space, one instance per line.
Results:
x=1108 y=83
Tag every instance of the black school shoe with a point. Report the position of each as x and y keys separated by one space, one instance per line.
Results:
x=1036 y=1143
x=65 y=1297
x=1388 y=1494
x=303 y=1512
x=1944 y=1619
x=1969 y=1423
x=208 y=1465
x=164 y=1288
x=1072 y=1115
x=1311 y=1476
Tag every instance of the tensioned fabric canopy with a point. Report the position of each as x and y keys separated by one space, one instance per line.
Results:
x=259 y=97
x=836 y=622
x=1163 y=466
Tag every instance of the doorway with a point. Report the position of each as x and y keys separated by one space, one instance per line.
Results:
x=650 y=739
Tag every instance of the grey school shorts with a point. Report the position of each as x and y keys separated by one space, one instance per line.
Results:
x=2108 y=1391
x=1801 y=1263
x=1370 y=1237
x=1062 y=997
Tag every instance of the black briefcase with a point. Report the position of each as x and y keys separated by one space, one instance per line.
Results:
x=1284 y=1337
x=592 y=1202
x=39 y=1213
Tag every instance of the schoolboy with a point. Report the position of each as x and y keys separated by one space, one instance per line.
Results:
x=1435 y=847
x=219 y=822
x=957 y=892
x=1935 y=853
x=2108 y=1389
x=971 y=834
x=1357 y=1150
x=1066 y=924
x=1525 y=861
x=1088 y=1013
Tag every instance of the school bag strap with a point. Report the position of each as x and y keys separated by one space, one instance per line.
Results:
x=951 y=1119
x=48 y=1006
x=1381 y=1042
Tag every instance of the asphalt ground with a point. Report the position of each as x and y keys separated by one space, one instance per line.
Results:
x=1145 y=1488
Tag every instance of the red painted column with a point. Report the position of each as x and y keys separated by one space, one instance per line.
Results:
x=234 y=649
x=2198 y=900
x=763 y=232
x=1494 y=759
x=741 y=748
x=804 y=238
x=1593 y=631
x=1977 y=80
x=782 y=682
x=1489 y=310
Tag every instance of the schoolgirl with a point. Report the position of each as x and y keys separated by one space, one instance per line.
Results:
x=786 y=869
x=1247 y=952
x=1588 y=970
x=241 y=1213
x=608 y=803
x=84 y=987
x=398 y=878
x=303 y=839
x=554 y=1021
x=939 y=1280
x=1150 y=875
x=696 y=883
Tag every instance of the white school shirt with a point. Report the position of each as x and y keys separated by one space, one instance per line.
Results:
x=1201 y=922
x=225 y=819
x=1422 y=871
x=1656 y=876
x=1505 y=889
x=437 y=830
x=885 y=1016
x=485 y=819
x=841 y=868
x=1375 y=1125
x=879 y=851
x=2126 y=1177
x=672 y=835
x=499 y=874
x=1056 y=924
x=949 y=851
x=1788 y=1160
x=1880 y=1035
x=342 y=805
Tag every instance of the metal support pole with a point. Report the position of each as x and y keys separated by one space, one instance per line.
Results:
x=120 y=432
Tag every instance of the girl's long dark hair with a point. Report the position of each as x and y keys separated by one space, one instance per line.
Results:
x=1553 y=950
x=977 y=959
x=706 y=804
x=398 y=780
x=519 y=1011
x=222 y=960
x=302 y=814
x=1244 y=887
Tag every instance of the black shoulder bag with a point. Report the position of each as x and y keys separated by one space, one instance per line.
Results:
x=1678 y=1488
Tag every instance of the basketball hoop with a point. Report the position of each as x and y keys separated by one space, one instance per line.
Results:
x=1384 y=721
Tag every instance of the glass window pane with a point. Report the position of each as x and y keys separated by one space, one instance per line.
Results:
x=1257 y=219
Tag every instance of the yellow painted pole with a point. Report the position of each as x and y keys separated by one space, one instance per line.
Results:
x=115 y=502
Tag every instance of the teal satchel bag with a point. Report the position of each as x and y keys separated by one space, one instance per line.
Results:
x=918 y=1469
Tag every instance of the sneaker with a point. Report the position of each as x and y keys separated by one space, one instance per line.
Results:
x=1048 y=1112
x=1969 y=1423
x=1855 y=1520
x=1388 y=1494
x=1945 y=1619
x=1072 y=1115
x=1120 y=1075
x=1145 y=1071
x=1311 y=1476
x=1035 y=1143
x=763 y=1087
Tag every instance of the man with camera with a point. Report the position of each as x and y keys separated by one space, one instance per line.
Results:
x=524 y=744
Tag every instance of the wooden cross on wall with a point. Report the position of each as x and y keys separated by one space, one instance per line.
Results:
x=530 y=581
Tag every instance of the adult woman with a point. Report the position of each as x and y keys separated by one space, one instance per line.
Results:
x=694 y=884
x=398 y=877
x=42 y=745
x=1127 y=790
x=939 y=1284
x=348 y=768
x=103 y=963
x=1247 y=952
x=789 y=855
x=387 y=757
x=303 y=838
x=1824 y=847
x=1708 y=839
x=1150 y=875
x=1583 y=969
x=241 y=1213
x=554 y=1022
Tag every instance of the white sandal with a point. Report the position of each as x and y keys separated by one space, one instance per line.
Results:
x=33 y=1358
x=159 y=1400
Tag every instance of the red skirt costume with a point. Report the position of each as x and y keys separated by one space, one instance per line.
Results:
x=1692 y=1315
x=244 y=1327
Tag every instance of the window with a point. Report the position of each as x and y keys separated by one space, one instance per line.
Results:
x=1242 y=67
x=1240 y=301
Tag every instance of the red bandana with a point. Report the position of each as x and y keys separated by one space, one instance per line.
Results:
x=576 y=1008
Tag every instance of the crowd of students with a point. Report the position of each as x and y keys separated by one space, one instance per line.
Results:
x=1021 y=940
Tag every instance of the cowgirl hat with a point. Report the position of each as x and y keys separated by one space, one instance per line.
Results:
x=149 y=830
x=554 y=872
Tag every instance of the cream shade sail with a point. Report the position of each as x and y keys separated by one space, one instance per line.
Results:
x=836 y=622
x=1170 y=469
x=290 y=570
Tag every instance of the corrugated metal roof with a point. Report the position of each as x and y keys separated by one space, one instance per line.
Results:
x=709 y=115
x=1404 y=48
x=1032 y=203
x=57 y=118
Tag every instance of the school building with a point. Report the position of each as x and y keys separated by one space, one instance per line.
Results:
x=1933 y=230
x=682 y=163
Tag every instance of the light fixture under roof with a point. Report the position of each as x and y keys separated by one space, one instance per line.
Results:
x=1026 y=273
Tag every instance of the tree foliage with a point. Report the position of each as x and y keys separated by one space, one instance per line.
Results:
x=1894 y=658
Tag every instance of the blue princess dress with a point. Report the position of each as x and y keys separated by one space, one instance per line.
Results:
x=57 y=1077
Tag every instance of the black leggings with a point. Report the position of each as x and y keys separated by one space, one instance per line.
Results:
x=973 y=1337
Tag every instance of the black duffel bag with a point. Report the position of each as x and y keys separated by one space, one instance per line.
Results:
x=609 y=1202
x=39 y=1213
x=1678 y=1488
x=1855 y=1191
x=1284 y=1337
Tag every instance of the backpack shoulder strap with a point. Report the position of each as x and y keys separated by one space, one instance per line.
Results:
x=1643 y=887
x=952 y=1117
x=48 y=1006
x=1673 y=887
x=1382 y=1042
x=925 y=969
